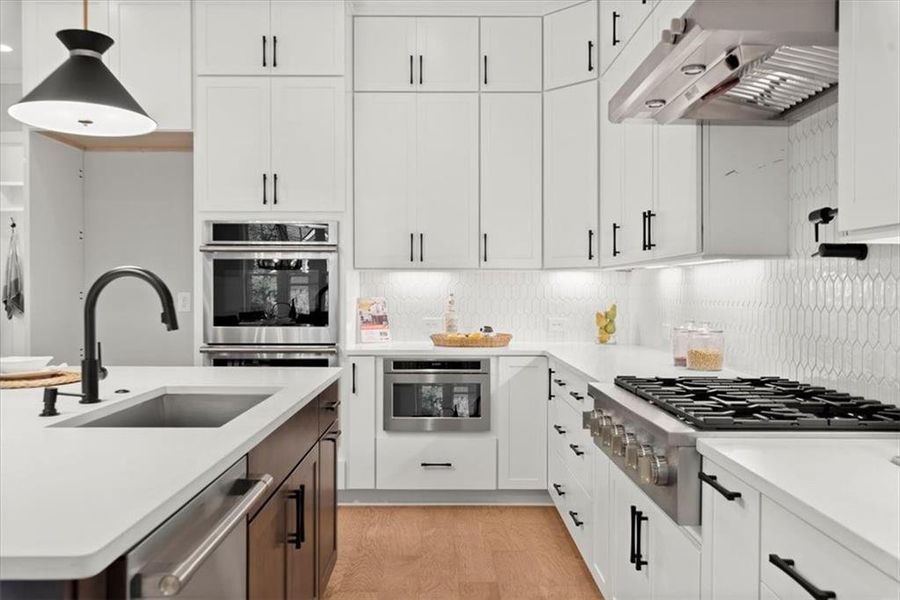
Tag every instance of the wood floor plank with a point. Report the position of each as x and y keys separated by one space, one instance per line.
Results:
x=456 y=553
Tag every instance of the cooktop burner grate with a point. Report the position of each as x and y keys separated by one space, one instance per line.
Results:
x=762 y=403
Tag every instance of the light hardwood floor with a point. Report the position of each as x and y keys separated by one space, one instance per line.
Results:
x=456 y=552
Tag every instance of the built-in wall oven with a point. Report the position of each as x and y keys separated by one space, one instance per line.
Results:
x=437 y=395
x=268 y=285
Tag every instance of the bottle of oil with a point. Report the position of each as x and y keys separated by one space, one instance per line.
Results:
x=451 y=324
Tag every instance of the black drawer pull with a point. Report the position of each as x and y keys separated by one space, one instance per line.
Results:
x=559 y=382
x=615 y=250
x=332 y=406
x=299 y=497
x=713 y=482
x=577 y=396
x=443 y=465
x=639 y=518
x=560 y=430
x=590 y=55
x=650 y=244
x=590 y=244
x=558 y=489
x=576 y=449
x=578 y=522
x=786 y=565
x=615 y=39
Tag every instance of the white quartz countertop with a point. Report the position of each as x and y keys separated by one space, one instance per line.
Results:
x=72 y=500
x=847 y=488
x=596 y=362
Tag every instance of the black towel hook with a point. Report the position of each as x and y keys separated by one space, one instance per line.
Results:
x=12 y=223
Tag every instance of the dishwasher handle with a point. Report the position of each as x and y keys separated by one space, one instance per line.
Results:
x=171 y=583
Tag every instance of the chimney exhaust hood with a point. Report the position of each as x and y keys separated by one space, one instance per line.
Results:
x=735 y=61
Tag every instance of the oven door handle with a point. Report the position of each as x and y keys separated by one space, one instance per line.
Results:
x=173 y=582
x=247 y=350
x=257 y=248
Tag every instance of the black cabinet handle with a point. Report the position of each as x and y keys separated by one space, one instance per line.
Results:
x=299 y=497
x=333 y=406
x=786 y=565
x=485 y=69
x=550 y=395
x=590 y=55
x=558 y=489
x=577 y=396
x=615 y=39
x=421 y=71
x=353 y=378
x=615 y=250
x=411 y=238
x=590 y=244
x=639 y=518
x=443 y=465
x=578 y=522
x=485 y=247
x=713 y=482
x=265 y=185
x=644 y=230
x=631 y=553
x=411 y=80
x=650 y=244
x=334 y=436
x=274 y=51
x=576 y=449
x=264 y=50
x=559 y=382
x=275 y=189
x=421 y=247
x=560 y=429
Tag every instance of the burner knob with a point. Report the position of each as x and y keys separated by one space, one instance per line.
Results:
x=598 y=422
x=609 y=432
x=654 y=469
x=634 y=452
x=622 y=441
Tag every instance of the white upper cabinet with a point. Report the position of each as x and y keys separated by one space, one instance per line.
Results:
x=416 y=180
x=570 y=176
x=308 y=143
x=619 y=20
x=435 y=54
x=232 y=143
x=152 y=57
x=42 y=52
x=869 y=121
x=511 y=54
x=269 y=37
x=511 y=181
x=570 y=45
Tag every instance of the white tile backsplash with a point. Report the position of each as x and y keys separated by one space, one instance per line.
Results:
x=828 y=321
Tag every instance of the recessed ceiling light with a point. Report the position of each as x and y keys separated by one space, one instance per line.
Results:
x=655 y=103
x=694 y=69
x=5 y=48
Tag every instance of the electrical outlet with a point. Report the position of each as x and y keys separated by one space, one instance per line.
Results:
x=433 y=324
x=183 y=302
x=556 y=327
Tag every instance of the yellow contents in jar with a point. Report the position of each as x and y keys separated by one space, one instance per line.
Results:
x=704 y=359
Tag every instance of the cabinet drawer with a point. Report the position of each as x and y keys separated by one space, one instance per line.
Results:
x=435 y=463
x=557 y=481
x=813 y=557
x=578 y=515
x=570 y=387
x=577 y=451
x=328 y=404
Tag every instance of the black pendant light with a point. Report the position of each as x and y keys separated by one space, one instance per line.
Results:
x=82 y=96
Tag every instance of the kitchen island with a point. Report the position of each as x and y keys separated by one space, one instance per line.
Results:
x=75 y=499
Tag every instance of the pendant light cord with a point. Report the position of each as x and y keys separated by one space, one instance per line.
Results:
x=84 y=11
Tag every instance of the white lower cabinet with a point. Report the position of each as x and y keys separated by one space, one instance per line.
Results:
x=358 y=419
x=600 y=553
x=521 y=423
x=730 y=517
x=435 y=462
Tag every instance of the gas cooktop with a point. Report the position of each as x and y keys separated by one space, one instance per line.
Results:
x=761 y=403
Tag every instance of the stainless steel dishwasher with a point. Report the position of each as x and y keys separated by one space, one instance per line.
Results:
x=201 y=551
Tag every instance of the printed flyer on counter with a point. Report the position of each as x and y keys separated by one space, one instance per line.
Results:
x=373 y=320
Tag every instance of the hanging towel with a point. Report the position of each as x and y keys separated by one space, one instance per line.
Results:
x=13 y=293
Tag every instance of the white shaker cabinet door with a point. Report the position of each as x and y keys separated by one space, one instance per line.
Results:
x=307 y=37
x=522 y=423
x=359 y=421
x=232 y=143
x=447 y=49
x=152 y=57
x=570 y=45
x=619 y=20
x=674 y=227
x=385 y=168
x=869 y=119
x=511 y=54
x=308 y=143
x=628 y=582
x=511 y=181
x=447 y=181
x=570 y=176
x=42 y=52
x=384 y=54
x=232 y=37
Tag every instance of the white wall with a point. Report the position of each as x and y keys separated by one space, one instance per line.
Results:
x=138 y=211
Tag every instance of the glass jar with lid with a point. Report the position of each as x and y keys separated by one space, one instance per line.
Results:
x=680 y=337
x=706 y=349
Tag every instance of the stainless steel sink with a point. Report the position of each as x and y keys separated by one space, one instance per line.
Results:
x=177 y=410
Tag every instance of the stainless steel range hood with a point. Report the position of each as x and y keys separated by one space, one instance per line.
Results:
x=735 y=60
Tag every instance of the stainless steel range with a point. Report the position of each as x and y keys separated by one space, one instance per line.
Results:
x=649 y=426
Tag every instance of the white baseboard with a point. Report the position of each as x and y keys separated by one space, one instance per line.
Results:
x=445 y=497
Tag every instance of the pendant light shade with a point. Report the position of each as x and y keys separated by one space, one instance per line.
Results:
x=82 y=96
